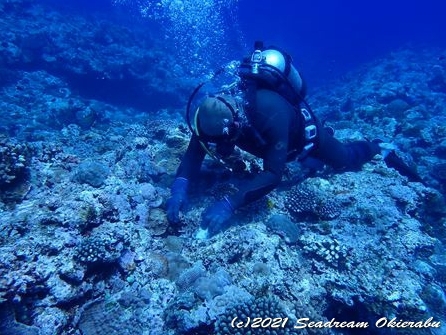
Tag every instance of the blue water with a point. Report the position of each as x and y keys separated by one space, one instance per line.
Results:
x=326 y=38
x=331 y=37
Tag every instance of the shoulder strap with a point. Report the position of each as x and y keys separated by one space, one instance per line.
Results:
x=250 y=87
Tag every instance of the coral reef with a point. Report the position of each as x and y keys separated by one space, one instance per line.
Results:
x=90 y=141
x=92 y=173
x=310 y=200
x=10 y=324
x=330 y=251
x=113 y=58
x=282 y=225
x=439 y=171
x=108 y=317
x=189 y=277
x=95 y=250
x=14 y=170
x=14 y=159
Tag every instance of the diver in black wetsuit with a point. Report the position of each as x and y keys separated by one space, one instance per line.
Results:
x=268 y=125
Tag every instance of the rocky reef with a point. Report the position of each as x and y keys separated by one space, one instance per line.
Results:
x=85 y=247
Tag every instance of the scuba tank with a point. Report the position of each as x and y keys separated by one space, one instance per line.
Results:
x=272 y=69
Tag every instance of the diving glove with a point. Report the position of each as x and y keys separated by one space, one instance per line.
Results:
x=386 y=148
x=215 y=219
x=177 y=199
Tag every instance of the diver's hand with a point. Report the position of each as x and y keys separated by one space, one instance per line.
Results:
x=216 y=218
x=177 y=199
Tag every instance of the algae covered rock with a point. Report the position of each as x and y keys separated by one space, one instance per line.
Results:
x=91 y=173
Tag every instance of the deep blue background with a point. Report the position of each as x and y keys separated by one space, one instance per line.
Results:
x=327 y=38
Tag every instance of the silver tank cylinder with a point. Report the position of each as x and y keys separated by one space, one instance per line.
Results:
x=277 y=59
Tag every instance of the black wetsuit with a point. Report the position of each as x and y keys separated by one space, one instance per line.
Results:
x=275 y=133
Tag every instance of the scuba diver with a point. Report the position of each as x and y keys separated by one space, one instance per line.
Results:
x=267 y=117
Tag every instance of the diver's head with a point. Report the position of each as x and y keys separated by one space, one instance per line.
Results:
x=216 y=118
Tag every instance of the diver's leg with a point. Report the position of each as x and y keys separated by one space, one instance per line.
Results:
x=348 y=156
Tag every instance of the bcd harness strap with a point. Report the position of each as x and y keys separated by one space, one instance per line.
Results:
x=310 y=133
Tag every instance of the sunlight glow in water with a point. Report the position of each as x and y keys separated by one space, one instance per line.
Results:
x=198 y=31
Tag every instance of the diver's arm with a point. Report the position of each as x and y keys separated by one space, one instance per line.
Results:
x=190 y=165
x=192 y=159
x=274 y=161
x=272 y=120
x=262 y=184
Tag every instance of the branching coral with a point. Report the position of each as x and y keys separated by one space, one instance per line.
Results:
x=14 y=159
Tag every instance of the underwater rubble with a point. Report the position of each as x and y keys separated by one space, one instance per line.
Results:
x=85 y=247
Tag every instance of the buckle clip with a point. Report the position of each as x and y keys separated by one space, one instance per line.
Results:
x=256 y=59
x=306 y=114
x=310 y=132
x=308 y=147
